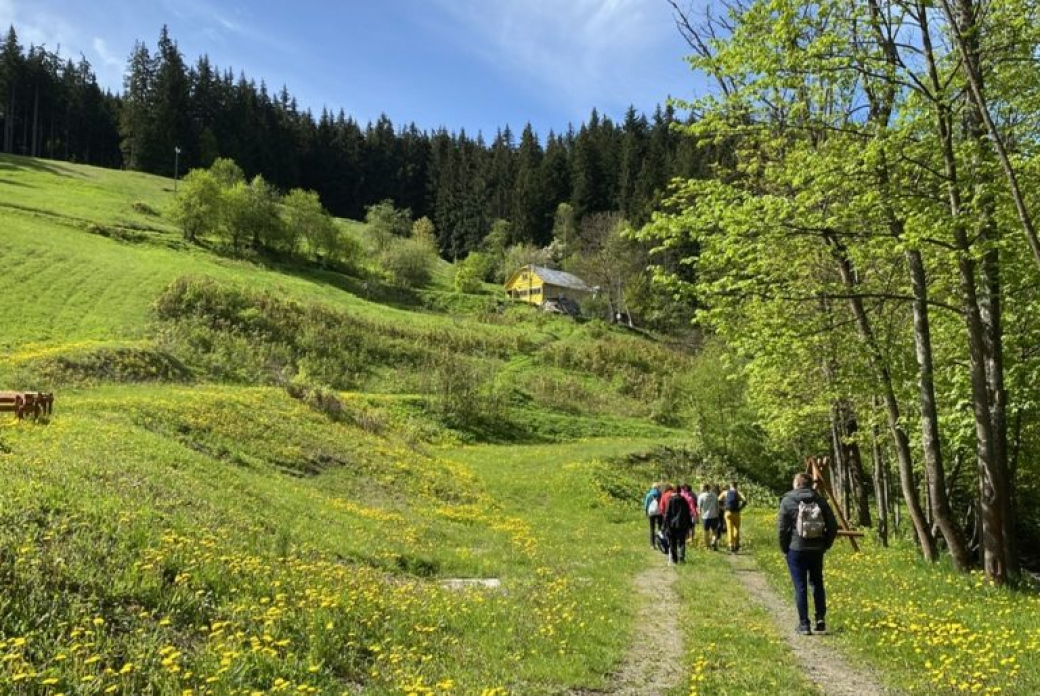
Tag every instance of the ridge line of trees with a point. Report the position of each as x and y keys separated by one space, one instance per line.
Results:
x=461 y=182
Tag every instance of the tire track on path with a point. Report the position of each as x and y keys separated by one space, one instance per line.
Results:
x=640 y=672
x=822 y=664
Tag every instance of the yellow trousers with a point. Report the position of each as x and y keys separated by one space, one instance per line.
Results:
x=733 y=529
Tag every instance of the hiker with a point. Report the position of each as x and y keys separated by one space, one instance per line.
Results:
x=708 y=506
x=687 y=493
x=721 y=519
x=678 y=519
x=732 y=502
x=806 y=528
x=667 y=491
x=653 y=510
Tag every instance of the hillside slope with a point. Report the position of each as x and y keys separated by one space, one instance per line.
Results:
x=219 y=506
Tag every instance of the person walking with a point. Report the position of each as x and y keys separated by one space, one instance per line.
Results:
x=687 y=493
x=654 y=511
x=721 y=519
x=708 y=506
x=678 y=519
x=806 y=529
x=732 y=502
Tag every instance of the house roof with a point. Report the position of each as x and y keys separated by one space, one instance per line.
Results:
x=560 y=278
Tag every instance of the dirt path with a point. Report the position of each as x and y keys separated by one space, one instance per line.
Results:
x=640 y=673
x=823 y=665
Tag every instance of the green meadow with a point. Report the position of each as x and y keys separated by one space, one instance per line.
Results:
x=270 y=479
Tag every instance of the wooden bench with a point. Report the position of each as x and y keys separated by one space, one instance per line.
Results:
x=24 y=404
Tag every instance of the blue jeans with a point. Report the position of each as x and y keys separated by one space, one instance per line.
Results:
x=807 y=569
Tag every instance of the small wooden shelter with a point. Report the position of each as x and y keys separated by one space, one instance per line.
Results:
x=538 y=285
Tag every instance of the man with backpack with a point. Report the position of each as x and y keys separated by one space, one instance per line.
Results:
x=806 y=528
x=732 y=502
x=654 y=512
x=678 y=521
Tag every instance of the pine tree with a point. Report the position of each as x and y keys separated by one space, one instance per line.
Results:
x=12 y=66
x=530 y=210
x=137 y=122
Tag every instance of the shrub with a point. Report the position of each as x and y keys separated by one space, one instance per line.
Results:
x=408 y=263
x=196 y=208
x=114 y=365
x=463 y=394
x=470 y=273
x=305 y=219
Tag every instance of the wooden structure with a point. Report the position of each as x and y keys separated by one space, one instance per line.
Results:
x=27 y=404
x=819 y=469
x=541 y=286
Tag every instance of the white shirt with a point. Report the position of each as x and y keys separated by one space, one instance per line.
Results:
x=708 y=505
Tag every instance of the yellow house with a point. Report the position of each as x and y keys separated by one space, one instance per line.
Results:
x=538 y=285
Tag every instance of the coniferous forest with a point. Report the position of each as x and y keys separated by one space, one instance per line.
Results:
x=54 y=108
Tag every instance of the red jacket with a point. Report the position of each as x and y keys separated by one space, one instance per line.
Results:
x=665 y=497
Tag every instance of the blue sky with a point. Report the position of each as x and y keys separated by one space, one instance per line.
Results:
x=472 y=64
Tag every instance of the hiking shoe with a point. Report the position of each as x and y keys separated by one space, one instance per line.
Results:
x=821 y=626
x=803 y=629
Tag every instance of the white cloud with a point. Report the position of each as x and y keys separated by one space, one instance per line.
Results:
x=218 y=24
x=108 y=59
x=582 y=51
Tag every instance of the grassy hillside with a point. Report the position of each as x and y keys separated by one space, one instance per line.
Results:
x=266 y=479
x=245 y=487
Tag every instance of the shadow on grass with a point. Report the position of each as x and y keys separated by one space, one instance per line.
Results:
x=30 y=164
x=342 y=278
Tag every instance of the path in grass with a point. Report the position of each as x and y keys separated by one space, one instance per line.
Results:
x=823 y=665
x=640 y=673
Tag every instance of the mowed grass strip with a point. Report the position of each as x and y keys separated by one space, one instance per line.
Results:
x=61 y=283
x=83 y=194
x=733 y=645
x=590 y=544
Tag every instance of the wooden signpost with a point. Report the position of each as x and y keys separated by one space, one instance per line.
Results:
x=818 y=468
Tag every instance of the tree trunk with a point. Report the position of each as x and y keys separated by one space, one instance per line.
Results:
x=900 y=440
x=838 y=457
x=9 y=119
x=857 y=477
x=942 y=514
x=992 y=319
x=853 y=488
x=880 y=484
x=991 y=481
x=34 y=146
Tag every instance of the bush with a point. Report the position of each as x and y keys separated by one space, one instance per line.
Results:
x=463 y=394
x=236 y=334
x=196 y=208
x=471 y=272
x=408 y=262
x=114 y=365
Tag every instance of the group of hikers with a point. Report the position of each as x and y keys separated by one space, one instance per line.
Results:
x=806 y=530
x=675 y=514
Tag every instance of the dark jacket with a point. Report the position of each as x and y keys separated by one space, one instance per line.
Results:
x=788 y=519
x=677 y=516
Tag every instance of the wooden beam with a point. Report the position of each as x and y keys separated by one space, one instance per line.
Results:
x=817 y=468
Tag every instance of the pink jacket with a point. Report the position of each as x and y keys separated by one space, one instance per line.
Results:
x=688 y=497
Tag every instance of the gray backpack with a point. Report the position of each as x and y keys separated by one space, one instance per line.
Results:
x=810 y=523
